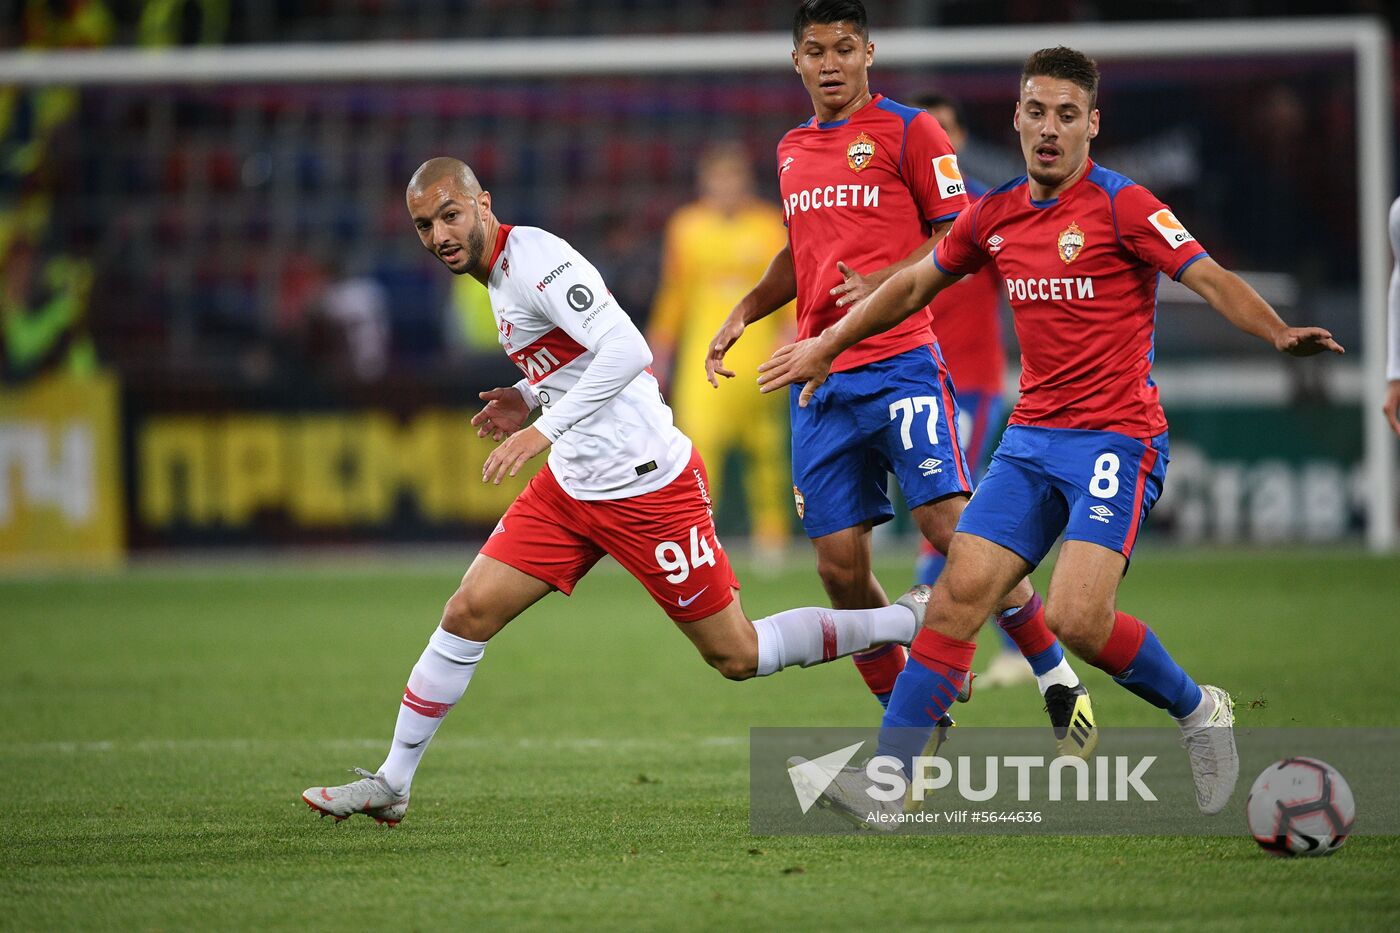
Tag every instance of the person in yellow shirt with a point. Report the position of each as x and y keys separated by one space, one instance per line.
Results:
x=715 y=249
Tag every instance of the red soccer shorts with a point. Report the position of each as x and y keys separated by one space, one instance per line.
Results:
x=665 y=538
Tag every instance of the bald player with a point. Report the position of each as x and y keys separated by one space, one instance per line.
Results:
x=620 y=480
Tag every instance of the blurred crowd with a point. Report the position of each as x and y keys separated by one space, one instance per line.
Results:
x=245 y=234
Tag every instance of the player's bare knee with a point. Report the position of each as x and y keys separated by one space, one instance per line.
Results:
x=1077 y=625
x=958 y=598
x=844 y=583
x=462 y=616
x=733 y=666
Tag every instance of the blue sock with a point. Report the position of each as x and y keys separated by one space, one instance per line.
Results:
x=884 y=699
x=1009 y=644
x=928 y=567
x=1047 y=660
x=1154 y=676
x=921 y=696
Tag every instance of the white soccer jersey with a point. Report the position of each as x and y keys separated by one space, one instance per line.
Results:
x=587 y=364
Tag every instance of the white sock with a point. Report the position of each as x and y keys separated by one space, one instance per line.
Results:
x=813 y=636
x=1200 y=715
x=438 y=681
x=1061 y=673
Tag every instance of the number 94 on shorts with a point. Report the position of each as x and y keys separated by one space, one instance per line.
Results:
x=1093 y=486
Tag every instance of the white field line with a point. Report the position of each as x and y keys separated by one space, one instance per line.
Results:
x=147 y=746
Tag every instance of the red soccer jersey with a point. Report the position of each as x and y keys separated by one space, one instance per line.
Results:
x=967 y=322
x=864 y=191
x=1080 y=271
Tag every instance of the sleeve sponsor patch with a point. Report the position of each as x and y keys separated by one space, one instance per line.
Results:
x=950 y=180
x=1170 y=228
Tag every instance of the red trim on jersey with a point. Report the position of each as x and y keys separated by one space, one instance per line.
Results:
x=501 y=235
x=949 y=420
x=551 y=352
x=1145 y=466
x=425 y=707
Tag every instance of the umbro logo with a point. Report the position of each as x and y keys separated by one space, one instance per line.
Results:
x=1100 y=513
x=787 y=164
x=995 y=243
x=931 y=466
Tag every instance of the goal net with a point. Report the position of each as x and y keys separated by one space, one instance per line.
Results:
x=207 y=190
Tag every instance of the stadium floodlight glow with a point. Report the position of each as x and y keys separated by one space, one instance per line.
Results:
x=1364 y=38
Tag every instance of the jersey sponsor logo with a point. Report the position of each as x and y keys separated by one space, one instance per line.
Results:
x=543 y=283
x=580 y=298
x=801 y=503
x=1170 y=228
x=551 y=352
x=1070 y=243
x=1049 y=289
x=838 y=196
x=860 y=153
x=995 y=242
x=950 y=180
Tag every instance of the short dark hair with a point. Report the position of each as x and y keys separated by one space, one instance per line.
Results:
x=1067 y=65
x=822 y=12
x=932 y=99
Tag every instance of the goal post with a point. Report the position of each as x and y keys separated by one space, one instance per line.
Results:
x=1366 y=40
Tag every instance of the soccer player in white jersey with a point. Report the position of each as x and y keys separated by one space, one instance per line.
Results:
x=620 y=480
x=1392 y=367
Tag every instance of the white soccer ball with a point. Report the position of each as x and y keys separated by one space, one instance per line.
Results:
x=1300 y=806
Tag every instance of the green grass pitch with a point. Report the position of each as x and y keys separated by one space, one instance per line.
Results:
x=160 y=725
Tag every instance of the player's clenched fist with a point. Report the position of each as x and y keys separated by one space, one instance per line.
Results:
x=507 y=459
x=504 y=414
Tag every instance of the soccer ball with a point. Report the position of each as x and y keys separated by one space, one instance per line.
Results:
x=1300 y=806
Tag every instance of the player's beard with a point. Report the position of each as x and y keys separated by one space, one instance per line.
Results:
x=476 y=244
x=473 y=249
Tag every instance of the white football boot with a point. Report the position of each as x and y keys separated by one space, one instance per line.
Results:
x=847 y=795
x=1215 y=763
x=370 y=795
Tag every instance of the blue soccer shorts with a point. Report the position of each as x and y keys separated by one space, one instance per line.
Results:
x=898 y=415
x=1091 y=485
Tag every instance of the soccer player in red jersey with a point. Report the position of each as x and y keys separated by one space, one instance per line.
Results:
x=868 y=186
x=1079 y=248
x=967 y=320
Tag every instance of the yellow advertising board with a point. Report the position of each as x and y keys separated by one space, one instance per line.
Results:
x=60 y=474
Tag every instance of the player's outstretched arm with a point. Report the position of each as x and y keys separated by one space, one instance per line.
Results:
x=1241 y=305
x=856 y=286
x=777 y=287
x=809 y=361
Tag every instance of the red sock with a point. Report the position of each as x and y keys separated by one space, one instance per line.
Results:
x=880 y=666
x=1026 y=626
x=1122 y=646
x=938 y=652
